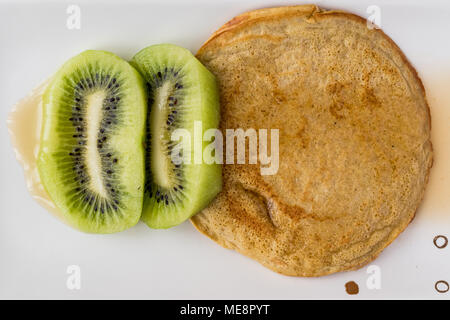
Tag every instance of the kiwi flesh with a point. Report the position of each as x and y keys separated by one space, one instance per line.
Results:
x=180 y=91
x=91 y=158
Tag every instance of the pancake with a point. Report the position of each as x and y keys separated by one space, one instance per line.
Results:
x=354 y=139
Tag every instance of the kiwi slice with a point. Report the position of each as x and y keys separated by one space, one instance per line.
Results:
x=181 y=91
x=91 y=158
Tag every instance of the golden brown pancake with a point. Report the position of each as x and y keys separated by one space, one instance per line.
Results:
x=355 y=150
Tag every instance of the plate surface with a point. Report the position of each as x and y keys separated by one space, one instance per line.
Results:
x=37 y=252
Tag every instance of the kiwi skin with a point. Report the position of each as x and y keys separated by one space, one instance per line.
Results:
x=127 y=140
x=201 y=182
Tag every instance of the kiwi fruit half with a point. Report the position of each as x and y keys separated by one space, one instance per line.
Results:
x=91 y=158
x=181 y=92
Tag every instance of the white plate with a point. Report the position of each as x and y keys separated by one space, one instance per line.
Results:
x=180 y=263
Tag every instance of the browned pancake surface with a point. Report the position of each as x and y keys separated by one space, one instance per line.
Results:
x=355 y=148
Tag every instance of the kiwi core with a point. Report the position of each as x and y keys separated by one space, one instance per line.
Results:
x=94 y=112
x=161 y=166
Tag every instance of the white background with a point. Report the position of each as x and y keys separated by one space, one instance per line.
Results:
x=180 y=263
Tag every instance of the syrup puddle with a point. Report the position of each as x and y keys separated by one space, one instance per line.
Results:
x=24 y=126
x=436 y=203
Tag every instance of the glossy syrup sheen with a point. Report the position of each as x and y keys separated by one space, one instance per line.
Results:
x=24 y=126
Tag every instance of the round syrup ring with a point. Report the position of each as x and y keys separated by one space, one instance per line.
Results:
x=445 y=283
x=443 y=245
